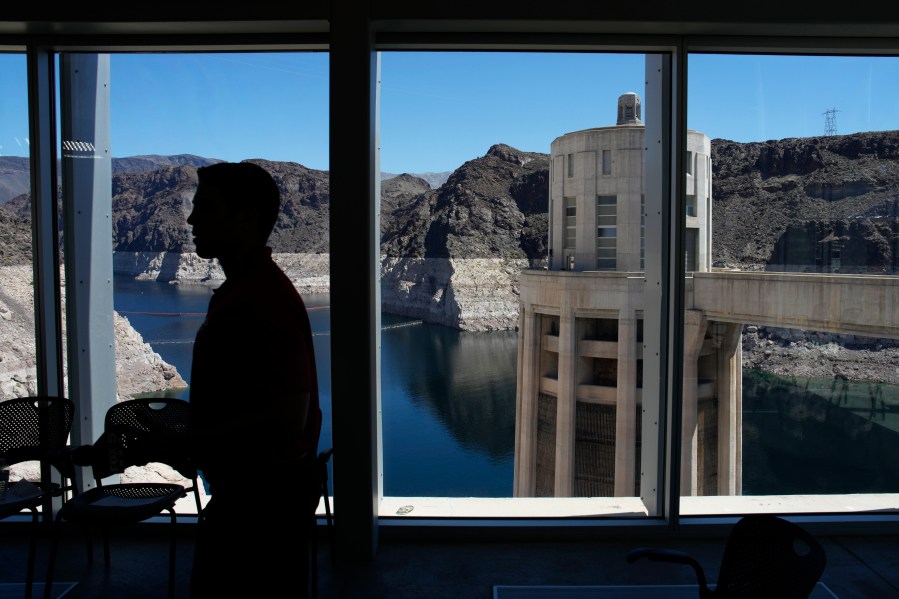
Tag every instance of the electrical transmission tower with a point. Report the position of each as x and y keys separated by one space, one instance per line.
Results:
x=830 y=122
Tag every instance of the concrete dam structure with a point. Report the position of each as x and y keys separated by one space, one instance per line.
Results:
x=580 y=370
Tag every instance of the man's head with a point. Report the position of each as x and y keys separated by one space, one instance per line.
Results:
x=235 y=208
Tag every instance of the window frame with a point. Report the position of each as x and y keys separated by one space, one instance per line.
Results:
x=353 y=41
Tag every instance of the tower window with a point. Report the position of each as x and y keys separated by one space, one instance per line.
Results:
x=606 y=232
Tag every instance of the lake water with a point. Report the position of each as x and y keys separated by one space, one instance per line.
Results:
x=448 y=397
x=448 y=406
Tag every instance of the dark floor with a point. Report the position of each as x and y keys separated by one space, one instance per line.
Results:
x=857 y=567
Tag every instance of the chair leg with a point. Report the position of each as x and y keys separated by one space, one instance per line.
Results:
x=32 y=551
x=313 y=558
x=105 y=532
x=89 y=544
x=330 y=525
x=51 y=561
x=172 y=546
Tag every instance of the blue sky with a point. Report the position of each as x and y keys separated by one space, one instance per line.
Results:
x=439 y=110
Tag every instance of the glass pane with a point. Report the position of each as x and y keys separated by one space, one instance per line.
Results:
x=18 y=365
x=605 y=264
x=170 y=115
x=456 y=266
x=790 y=378
x=17 y=368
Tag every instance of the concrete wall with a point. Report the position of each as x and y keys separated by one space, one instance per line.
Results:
x=577 y=172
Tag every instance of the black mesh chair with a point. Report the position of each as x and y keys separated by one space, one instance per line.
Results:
x=136 y=432
x=765 y=556
x=35 y=429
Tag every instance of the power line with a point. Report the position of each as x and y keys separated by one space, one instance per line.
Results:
x=830 y=122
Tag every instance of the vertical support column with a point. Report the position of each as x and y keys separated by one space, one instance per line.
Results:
x=355 y=286
x=730 y=371
x=566 y=403
x=625 y=410
x=695 y=326
x=528 y=384
x=656 y=323
x=87 y=210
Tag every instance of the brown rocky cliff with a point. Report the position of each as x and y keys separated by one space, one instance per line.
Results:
x=763 y=191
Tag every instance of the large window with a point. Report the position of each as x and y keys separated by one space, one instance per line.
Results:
x=166 y=115
x=173 y=113
x=32 y=346
x=782 y=395
x=499 y=374
x=17 y=343
x=18 y=351
x=466 y=209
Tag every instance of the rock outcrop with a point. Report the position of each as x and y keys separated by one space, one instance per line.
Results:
x=809 y=354
x=452 y=255
x=138 y=368
x=766 y=194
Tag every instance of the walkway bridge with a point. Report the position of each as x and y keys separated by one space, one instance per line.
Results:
x=866 y=305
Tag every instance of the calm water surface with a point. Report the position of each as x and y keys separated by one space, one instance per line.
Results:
x=448 y=406
x=448 y=397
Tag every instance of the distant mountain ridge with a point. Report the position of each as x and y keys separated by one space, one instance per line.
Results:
x=150 y=162
x=434 y=180
x=449 y=252
x=15 y=179
x=766 y=195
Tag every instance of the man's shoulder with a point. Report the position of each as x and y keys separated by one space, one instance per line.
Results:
x=279 y=292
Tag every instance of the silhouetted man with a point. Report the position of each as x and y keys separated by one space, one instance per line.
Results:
x=255 y=416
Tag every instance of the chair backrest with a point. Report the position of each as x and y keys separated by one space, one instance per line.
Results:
x=139 y=431
x=767 y=556
x=30 y=427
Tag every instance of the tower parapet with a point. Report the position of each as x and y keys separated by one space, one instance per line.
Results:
x=596 y=199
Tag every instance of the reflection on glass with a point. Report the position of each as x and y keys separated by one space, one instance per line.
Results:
x=790 y=360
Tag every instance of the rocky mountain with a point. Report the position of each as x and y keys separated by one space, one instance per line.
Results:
x=451 y=255
x=491 y=207
x=15 y=179
x=397 y=193
x=434 y=180
x=150 y=209
x=152 y=162
x=776 y=201
x=15 y=238
x=139 y=369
